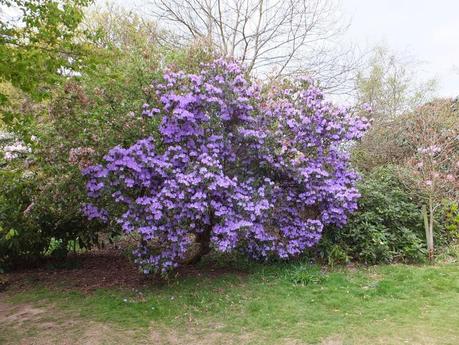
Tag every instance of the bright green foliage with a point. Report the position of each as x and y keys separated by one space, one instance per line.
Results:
x=43 y=44
x=386 y=228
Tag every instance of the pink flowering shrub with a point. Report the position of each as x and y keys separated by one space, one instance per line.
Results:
x=232 y=169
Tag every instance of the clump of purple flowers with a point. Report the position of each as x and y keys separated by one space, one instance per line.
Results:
x=234 y=169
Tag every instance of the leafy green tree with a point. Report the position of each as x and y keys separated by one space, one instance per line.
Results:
x=41 y=43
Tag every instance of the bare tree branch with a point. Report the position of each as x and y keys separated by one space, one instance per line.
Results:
x=277 y=37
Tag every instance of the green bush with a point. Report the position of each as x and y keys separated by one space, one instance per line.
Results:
x=449 y=223
x=30 y=220
x=388 y=226
x=18 y=234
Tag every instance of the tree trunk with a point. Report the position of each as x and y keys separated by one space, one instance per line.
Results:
x=431 y=219
x=428 y=225
x=203 y=242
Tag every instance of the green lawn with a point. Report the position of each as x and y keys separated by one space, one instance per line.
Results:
x=277 y=304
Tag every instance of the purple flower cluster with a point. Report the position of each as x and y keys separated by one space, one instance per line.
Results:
x=233 y=169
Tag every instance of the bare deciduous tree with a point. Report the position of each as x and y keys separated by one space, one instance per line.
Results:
x=273 y=37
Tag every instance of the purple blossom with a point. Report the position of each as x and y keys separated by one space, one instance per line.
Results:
x=233 y=169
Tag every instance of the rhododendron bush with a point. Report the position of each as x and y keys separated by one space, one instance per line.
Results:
x=233 y=168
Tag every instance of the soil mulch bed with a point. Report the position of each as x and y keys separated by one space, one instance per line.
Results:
x=83 y=272
x=100 y=269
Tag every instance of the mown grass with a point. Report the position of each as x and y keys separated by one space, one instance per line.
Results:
x=394 y=304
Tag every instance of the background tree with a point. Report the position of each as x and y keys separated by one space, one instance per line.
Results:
x=40 y=43
x=433 y=131
x=277 y=37
x=387 y=83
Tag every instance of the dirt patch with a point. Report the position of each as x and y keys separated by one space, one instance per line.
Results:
x=19 y=314
x=332 y=341
x=28 y=324
x=100 y=269
x=84 y=272
x=200 y=336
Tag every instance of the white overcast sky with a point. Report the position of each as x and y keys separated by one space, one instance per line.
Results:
x=424 y=30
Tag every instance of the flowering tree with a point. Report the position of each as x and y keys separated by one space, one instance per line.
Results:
x=434 y=133
x=232 y=169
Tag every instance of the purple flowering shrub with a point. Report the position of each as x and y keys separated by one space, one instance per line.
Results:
x=232 y=169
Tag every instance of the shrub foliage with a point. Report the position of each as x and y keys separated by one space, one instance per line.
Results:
x=387 y=227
